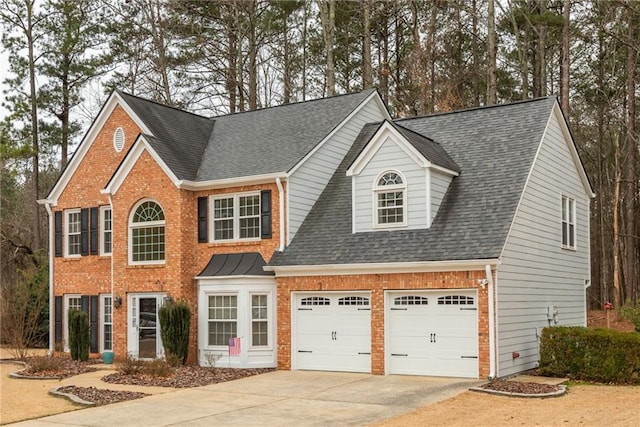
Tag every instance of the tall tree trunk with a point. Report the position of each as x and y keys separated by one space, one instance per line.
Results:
x=475 y=52
x=431 y=48
x=35 y=143
x=367 y=75
x=328 y=20
x=631 y=178
x=492 y=68
x=617 y=270
x=232 y=58
x=287 y=78
x=158 y=38
x=564 y=62
x=253 y=55
x=541 y=50
x=304 y=50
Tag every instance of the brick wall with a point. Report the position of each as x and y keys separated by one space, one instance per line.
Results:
x=377 y=284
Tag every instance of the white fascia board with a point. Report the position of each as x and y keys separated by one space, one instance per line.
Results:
x=139 y=146
x=231 y=182
x=572 y=149
x=114 y=100
x=381 y=268
x=386 y=131
x=374 y=95
x=443 y=170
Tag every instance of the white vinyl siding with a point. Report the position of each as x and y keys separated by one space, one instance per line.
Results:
x=535 y=272
x=391 y=156
x=439 y=184
x=309 y=180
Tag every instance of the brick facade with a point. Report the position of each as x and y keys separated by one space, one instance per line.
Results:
x=184 y=256
x=377 y=284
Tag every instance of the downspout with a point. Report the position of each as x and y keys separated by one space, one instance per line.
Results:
x=492 y=332
x=281 y=200
x=113 y=298
x=52 y=321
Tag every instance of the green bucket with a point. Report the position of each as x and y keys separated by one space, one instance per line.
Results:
x=107 y=357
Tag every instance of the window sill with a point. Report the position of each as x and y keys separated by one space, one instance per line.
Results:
x=569 y=248
x=71 y=258
x=146 y=265
x=219 y=243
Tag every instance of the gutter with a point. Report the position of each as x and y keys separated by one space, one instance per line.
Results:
x=492 y=332
x=113 y=297
x=281 y=214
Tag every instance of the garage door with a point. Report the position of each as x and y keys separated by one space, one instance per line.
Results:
x=432 y=333
x=333 y=332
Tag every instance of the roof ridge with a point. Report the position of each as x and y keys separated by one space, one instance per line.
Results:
x=482 y=107
x=150 y=101
x=293 y=103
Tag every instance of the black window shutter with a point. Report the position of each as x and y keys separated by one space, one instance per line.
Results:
x=202 y=220
x=84 y=304
x=93 y=323
x=265 y=214
x=58 y=232
x=84 y=231
x=58 y=319
x=93 y=226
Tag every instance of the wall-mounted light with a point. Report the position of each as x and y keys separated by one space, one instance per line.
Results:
x=117 y=301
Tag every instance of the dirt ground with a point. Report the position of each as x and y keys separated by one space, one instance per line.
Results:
x=583 y=405
x=15 y=406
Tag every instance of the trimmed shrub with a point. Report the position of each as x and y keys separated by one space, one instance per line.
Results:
x=590 y=354
x=175 y=319
x=632 y=314
x=79 y=335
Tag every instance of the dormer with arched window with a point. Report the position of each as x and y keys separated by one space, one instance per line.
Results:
x=399 y=180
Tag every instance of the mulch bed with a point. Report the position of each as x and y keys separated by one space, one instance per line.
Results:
x=99 y=396
x=185 y=376
x=62 y=368
x=520 y=387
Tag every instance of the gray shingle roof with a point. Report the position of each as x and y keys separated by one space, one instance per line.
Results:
x=428 y=148
x=256 y=142
x=180 y=137
x=494 y=148
x=272 y=139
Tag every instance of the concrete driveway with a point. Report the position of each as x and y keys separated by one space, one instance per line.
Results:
x=280 y=398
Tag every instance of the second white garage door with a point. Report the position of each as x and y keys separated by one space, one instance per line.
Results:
x=333 y=332
x=432 y=333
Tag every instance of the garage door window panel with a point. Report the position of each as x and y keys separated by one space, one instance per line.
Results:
x=353 y=301
x=455 y=300
x=411 y=300
x=223 y=319
x=315 y=301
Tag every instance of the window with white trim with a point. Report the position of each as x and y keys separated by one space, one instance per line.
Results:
x=147 y=234
x=223 y=319
x=71 y=302
x=568 y=223
x=259 y=320
x=390 y=194
x=72 y=231
x=236 y=217
x=106 y=232
x=106 y=321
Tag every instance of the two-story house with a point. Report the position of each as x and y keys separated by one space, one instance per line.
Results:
x=325 y=235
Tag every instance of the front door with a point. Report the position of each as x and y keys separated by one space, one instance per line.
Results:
x=148 y=328
x=144 y=326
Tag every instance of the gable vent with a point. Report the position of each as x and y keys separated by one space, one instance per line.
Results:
x=118 y=139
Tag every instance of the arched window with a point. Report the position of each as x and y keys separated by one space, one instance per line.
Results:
x=146 y=233
x=390 y=193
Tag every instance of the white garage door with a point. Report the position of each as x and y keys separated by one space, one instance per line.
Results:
x=432 y=333
x=333 y=332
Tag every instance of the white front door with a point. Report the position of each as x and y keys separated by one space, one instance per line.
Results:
x=432 y=333
x=144 y=327
x=332 y=332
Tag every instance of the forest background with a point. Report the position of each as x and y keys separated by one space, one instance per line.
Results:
x=217 y=57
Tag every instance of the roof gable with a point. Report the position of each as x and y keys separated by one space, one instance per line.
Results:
x=422 y=150
x=114 y=100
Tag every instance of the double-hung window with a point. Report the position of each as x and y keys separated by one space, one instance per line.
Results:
x=568 y=223
x=73 y=232
x=107 y=323
x=236 y=217
x=390 y=194
x=259 y=320
x=107 y=228
x=223 y=319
